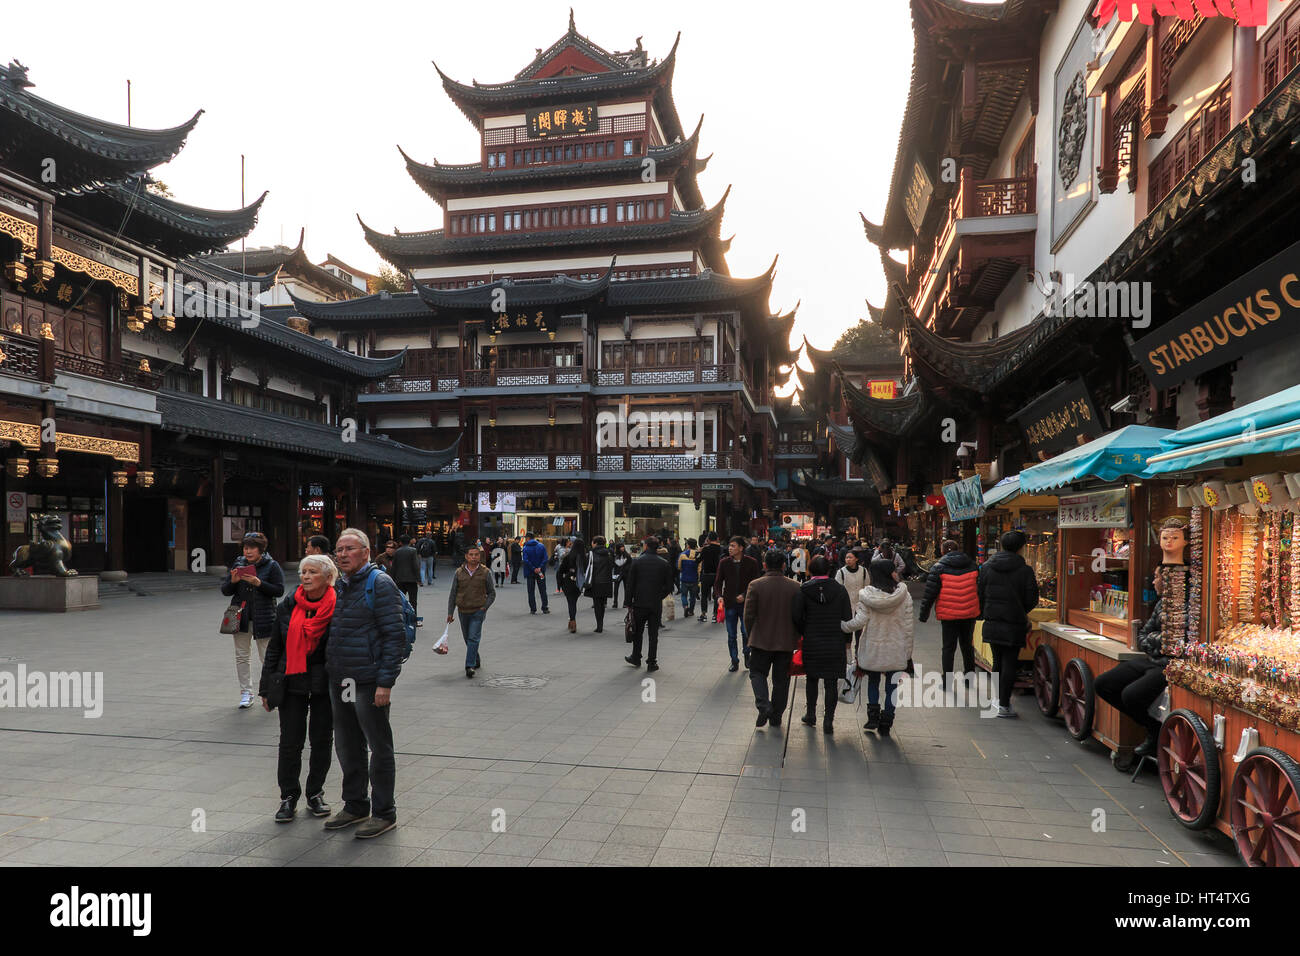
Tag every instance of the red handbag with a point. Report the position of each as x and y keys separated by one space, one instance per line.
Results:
x=796 y=662
x=722 y=614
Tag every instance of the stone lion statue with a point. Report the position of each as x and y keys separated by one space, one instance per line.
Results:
x=48 y=554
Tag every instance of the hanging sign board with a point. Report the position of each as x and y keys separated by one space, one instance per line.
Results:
x=570 y=120
x=916 y=200
x=1258 y=310
x=1100 y=509
x=1060 y=419
x=965 y=499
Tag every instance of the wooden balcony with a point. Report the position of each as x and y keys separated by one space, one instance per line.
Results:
x=38 y=359
x=987 y=236
x=608 y=461
x=123 y=373
x=672 y=375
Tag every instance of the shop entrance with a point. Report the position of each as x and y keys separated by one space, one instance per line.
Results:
x=146 y=542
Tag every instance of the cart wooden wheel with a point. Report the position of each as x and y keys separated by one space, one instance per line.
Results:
x=1264 y=809
x=1047 y=680
x=1078 y=701
x=1188 y=760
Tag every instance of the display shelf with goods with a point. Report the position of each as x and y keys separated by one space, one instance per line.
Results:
x=1229 y=748
x=1106 y=550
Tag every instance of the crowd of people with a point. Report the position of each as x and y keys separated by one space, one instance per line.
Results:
x=838 y=612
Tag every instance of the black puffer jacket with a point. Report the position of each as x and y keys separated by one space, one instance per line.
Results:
x=261 y=600
x=600 y=574
x=314 y=681
x=825 y=604
x=1008 y=591
x=367 y=646
x=1150 y=638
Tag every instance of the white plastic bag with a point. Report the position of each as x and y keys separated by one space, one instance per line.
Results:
x=440 y=646
x=849 y=684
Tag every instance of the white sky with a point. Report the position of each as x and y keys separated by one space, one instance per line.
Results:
x=802 y=104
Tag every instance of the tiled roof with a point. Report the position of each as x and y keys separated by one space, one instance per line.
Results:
x=522 y=294
x=172 y=227
x=441 y=181
x=89 y=149
x=210 y=418
x=412 y=250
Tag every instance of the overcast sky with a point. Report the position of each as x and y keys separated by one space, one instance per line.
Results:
x=802 y=104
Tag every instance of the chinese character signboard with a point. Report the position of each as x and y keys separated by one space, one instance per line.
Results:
x=1060 y=419
x=917 y=198
x=532 y=320
x=573 y=120
x=965 y=499
x=883 y=388
x=1101 y=509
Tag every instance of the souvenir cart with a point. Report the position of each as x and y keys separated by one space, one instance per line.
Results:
x=1106 y=553
x=1228 y=749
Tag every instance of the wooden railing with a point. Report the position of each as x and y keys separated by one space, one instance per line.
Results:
x=552 y=376
x=1199 y=135
x=996 y=197
x=607 y=460
x=123 y=373
x=22 y=355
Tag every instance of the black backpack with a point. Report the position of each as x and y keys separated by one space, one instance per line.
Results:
x=427 y=548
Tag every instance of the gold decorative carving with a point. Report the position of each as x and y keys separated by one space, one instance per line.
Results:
x=19 y=229
x=127 y=451
x=29 y=436
x=96 y=270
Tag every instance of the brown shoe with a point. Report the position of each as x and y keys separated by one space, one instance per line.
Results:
x=573 y=627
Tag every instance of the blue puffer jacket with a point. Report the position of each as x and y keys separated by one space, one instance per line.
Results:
x=261 y=600
x=367 y=646
x=535 y=556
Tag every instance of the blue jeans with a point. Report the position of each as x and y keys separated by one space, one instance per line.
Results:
x=471 y=628
x=536 y=582
x=690 y=595
x=873 y=689
x=735 y=615
x=428 y=569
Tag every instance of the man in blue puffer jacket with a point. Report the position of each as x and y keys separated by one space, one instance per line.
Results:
x=363 y=659
x=534 y=558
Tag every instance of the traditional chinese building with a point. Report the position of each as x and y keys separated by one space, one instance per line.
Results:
x=1070 y=201
x=573 y=325
x=143 y=398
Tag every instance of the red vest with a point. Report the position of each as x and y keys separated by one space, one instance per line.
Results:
x=958 y=599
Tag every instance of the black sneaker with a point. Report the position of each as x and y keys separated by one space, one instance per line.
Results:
x=286 y=813
x=774 y=720
x=546 y=610
x=762 y=719
x=651 y=666
x=809 y=719
x=317 y=806
x=633 y=661
x=469 y=672
x=735 y=666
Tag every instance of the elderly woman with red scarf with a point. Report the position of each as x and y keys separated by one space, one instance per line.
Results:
x=293 y=679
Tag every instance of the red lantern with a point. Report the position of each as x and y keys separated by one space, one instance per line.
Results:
x=936 y=501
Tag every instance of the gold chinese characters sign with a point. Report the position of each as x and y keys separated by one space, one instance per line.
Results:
x=29 y=436
x=25 y=232
x=520 y=322
x=1060 y=419
x=562 y=121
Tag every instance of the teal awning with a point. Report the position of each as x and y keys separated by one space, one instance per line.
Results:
x=1120 y=454
x=1005 y=489
x=1268 y=426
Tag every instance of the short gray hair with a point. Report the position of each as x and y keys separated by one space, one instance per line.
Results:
x=322 y=564
x=358 y=534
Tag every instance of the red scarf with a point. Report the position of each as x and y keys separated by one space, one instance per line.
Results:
x=305 y=632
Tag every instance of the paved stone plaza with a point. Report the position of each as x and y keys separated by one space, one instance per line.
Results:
x=584 y=770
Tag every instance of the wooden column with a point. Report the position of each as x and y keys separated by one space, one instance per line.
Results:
x=292 y=547
x=217 y=504
x=1245 y=72
x=1156 y=109
x=1108 y=173
x=116 y=531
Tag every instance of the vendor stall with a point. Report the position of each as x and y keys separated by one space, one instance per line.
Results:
x=1105 y=555
x=1228 y=750
x=1007 y=508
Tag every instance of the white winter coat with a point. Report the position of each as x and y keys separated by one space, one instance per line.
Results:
x=853 y=582
x=886 y=644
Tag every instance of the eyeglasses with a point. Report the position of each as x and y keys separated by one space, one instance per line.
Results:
x=346 y=550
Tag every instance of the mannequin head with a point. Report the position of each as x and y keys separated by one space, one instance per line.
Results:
x=1173 y=540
